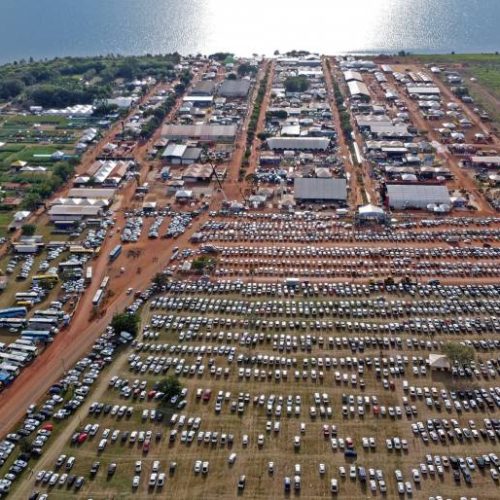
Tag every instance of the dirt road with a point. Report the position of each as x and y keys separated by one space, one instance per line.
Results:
x=78 y=338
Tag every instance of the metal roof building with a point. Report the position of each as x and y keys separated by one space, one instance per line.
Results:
x=72 y=212
x=423 y=90
x=200 y=132
x=205 y=87
x=96 y=193
x=234 y=88
x=402 y=196
x=298 y=143
x=352 y=75
x=358 y=89
x=313 y=189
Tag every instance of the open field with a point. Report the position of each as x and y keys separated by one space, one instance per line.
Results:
x=483 y=67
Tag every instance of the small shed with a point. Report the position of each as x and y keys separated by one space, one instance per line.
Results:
x=439 y=362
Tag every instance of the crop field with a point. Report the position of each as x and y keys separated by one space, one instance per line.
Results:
x=287 y=380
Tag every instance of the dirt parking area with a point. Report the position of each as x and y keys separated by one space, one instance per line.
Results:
x=327 y=368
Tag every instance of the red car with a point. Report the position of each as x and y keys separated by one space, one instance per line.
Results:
x=82 y=437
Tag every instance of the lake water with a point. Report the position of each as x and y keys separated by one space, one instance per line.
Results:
x=47 y=28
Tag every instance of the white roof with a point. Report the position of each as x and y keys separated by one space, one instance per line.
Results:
x=412 y=194
x=290 y=143
x=320 y=189
x=370 y=210
x=438 y=361
x=358 y=88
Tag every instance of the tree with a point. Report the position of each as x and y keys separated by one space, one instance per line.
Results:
x=204 y=263
x=126 y=322
x=161 y=279
x=28 y=229
x=459 y=354
x=296 y=84
x=11 y=88
x=246 y=69
x=32 y=201
x=63 y=170
x=171 y=387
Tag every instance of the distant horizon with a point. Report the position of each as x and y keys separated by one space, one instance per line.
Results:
x=85 y=28
x=267 y=56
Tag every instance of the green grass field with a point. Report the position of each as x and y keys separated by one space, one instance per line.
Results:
x=5 y=218
x=485 y=68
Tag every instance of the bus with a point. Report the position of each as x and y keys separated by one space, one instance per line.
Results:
x=12 y=322
x=19 y=359
x=78 y=249
x=104 y=283
x=23 y=342
x=49 y=313
x=88 y=275
x=97 y=297
x=13 y=312
x=50 y=279
x=9 y=368
x=113 y=255
x=30 y=356
x=36 y=335
x=43 y=323
x=27 y=348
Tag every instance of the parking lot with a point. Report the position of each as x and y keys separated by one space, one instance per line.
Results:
x=299 y=383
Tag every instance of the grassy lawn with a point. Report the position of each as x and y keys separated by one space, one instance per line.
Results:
x=484 y=67
x=5 y=218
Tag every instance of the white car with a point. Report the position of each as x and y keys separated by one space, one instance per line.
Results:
x=135 y=481
x=322 y=469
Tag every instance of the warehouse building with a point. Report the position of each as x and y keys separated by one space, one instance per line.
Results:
x=197 y=173
x=298 y=143
x=97 y=193
x=423 y=90
x=485 y=161
x=200 y=101
x=320 y=190
x=234 y=88
x=401 y=196
x=359 y=90
x=208 y=133
x=68 y=213
x=204 y=87
x=352 y=76
x=181 y=154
